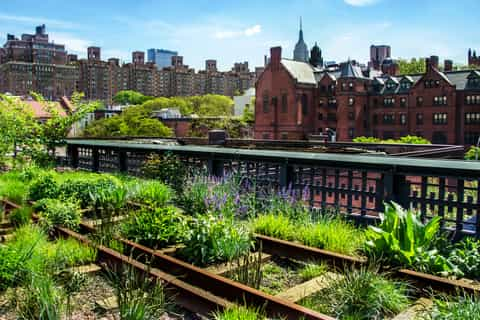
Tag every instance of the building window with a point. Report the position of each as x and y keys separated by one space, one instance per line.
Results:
x=332 y=102
x=284 y=136
x=320 y=116
x=391 y=85
x=389 y=102
x=265 y=136
x=304 y=104
x=351 y=101
x=388 y=118
x=351 y=116
x=403 y=119
x=331 y=116
x=439 y=137
x=405 y=85
x=351 y=133
x=284 y=103
x=344 y=86
x=419 y=101
x=403 y=102
x=472 y=118
x=375 y=102
x=375 y=119
x=472 y=100
x=320 y=103
x=471 y=137
x=440 y=118
x=266 y=101
x=388 y=135
x=439 y=101
x=419 y=118
x=350 y=86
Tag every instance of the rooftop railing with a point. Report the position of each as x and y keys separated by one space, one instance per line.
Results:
x=355 y=184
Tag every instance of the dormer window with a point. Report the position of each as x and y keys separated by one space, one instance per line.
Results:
x=405 y=85
x=391 y=85
x=351 y=101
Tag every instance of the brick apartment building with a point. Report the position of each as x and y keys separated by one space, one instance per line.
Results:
x=296 y=99
x=32 y=63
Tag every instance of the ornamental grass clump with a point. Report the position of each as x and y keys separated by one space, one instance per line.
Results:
x=460 y=307
x=361 y=294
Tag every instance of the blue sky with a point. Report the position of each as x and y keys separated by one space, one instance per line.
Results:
x=244 y=30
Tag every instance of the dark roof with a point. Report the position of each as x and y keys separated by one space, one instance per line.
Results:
x=349 y=70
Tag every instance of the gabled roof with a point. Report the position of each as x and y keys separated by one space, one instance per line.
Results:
x=392 y=79
x=407 y=79
x=40 y=110
x=301 y=71
x=475 y=74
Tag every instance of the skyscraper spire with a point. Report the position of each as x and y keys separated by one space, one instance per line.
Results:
x=301 y=50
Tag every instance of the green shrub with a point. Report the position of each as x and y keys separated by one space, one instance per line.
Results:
x=361 y=294
x=12 y=188
x=85 y=188
x=471 y=154
x=21 y=216
x=66 y=253
x=167 y=168
x=214 y=239
x=44 y=187
x=54 y=212
x=152 y=193
x=155 y=228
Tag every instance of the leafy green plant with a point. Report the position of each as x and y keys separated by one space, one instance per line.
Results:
x=152 y=193
x=85 y=188
x=167 y=168
x=21 y=216
x=401 y=237
x=466 y=256
x=157 y=227
x=54 y=212
x=361 y=294
x=44 y=187
x=240 y=313
x=215 y=239
x=109 y=202
x=472 y=153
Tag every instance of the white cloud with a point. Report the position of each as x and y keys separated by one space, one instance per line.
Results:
x=72 y=43
x=360 y=3
x=248 y=32
x=38 y=20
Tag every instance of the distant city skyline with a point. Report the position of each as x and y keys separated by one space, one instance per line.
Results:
x=230 y=33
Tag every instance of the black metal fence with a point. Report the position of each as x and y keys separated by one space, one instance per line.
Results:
x=357 y=185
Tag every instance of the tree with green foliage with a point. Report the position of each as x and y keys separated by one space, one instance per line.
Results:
x=405 y=140
x=413 y=66
x=130 y=97
x=18 y=129
x=212 y=105
x=182 y=104
x=54 y=131
x=473 y=153
x=249 y=112
x=133 y=121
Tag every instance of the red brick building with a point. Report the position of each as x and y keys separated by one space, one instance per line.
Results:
x=296 y=99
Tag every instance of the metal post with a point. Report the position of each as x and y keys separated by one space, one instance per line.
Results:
x=72 y=153
x=122 y=161
x=216 y=167
x=95 y=159
x=286 y=175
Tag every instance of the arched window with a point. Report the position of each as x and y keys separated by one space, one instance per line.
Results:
x=304 y=104
x=266 y=102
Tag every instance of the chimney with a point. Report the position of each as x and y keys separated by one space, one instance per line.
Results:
x=275 y=57
x=434 y=60
x=448 y=65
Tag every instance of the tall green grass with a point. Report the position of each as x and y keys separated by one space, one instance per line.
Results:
x=328 y=232
x=239 y=313
x=460 y=307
